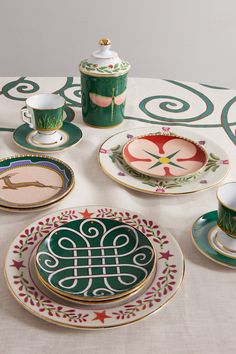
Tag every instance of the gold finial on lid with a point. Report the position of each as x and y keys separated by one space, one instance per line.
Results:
x=105 y=41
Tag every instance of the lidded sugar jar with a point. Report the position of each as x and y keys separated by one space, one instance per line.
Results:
x=103 y=86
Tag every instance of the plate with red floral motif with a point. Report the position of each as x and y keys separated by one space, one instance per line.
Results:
x=113 y=164
x=40 y=301
x=164 y=156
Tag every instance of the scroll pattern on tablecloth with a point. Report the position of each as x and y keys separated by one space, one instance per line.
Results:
x=168 y=103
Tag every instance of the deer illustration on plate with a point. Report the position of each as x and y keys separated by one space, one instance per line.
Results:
x=17 y=185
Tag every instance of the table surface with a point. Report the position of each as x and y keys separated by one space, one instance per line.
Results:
x=202 y=317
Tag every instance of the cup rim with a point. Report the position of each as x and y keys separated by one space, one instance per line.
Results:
x=219 y=200
x=45 y=94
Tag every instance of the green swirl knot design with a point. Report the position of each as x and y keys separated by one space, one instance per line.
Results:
x=22 y=85
x=77 y=92
x=170 y=106
x=224 y=120
x=165 y=105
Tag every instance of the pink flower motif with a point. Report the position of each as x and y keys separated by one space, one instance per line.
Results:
x=121 y=174
x=224 y=162
x=202 y=142
x=165 y=129
x=234 y=218
x=160 y=190
x=110 y=66
x=104 y=151
x=129 y=136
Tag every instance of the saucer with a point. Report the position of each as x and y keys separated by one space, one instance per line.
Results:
x=164 y=156
x=215 y=236
x=47 y=138
x=204 y=237
x=24 y=137
x=95 y=259
x=41 y=302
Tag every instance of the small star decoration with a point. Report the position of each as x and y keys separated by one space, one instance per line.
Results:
x=86 y=214
x=101 y=316
x=166 y=255
x=17 y=265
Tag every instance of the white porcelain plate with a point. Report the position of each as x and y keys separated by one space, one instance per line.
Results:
x=30 y=294
x=113 y=164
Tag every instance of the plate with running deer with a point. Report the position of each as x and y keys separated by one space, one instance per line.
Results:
x=29 y=181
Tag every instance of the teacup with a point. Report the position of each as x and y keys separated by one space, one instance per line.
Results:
x=226 y=221
x=45 y=113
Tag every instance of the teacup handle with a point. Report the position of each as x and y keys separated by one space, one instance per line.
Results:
x=26 y=117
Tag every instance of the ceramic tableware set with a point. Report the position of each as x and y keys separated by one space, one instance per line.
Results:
x=98 y=267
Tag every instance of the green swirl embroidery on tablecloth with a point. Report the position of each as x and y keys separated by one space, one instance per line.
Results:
x=7 y=129
x=22 y=85
x=214 y=87
x=69 y=84
x=26 y=86
x=170 y=106
x=172 y=124
x=224 y=120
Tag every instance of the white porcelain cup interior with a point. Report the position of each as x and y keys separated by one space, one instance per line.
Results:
x=45 y=101
x=227 y=195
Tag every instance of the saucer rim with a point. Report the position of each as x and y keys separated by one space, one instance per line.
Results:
x=58 y=149
x=205 y=253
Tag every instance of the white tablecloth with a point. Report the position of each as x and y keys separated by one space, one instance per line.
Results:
x=202 y=316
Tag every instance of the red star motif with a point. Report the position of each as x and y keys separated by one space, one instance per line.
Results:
x=101 y=316
x=17 y=265
x=165 y=255
x=86 y=214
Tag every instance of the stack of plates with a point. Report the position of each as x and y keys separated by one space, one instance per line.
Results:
x=94 y=267
x=95 y=260
x=164 y=162
x=33 y=182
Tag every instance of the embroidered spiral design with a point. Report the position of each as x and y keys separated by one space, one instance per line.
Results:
x=176 y=105
x=22 y=86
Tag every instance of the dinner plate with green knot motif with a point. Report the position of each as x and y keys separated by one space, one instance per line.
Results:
x=23 y=281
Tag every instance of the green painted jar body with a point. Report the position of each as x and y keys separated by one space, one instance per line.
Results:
x=103 y=99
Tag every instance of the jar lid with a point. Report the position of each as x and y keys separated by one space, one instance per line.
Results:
x=104 y=62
